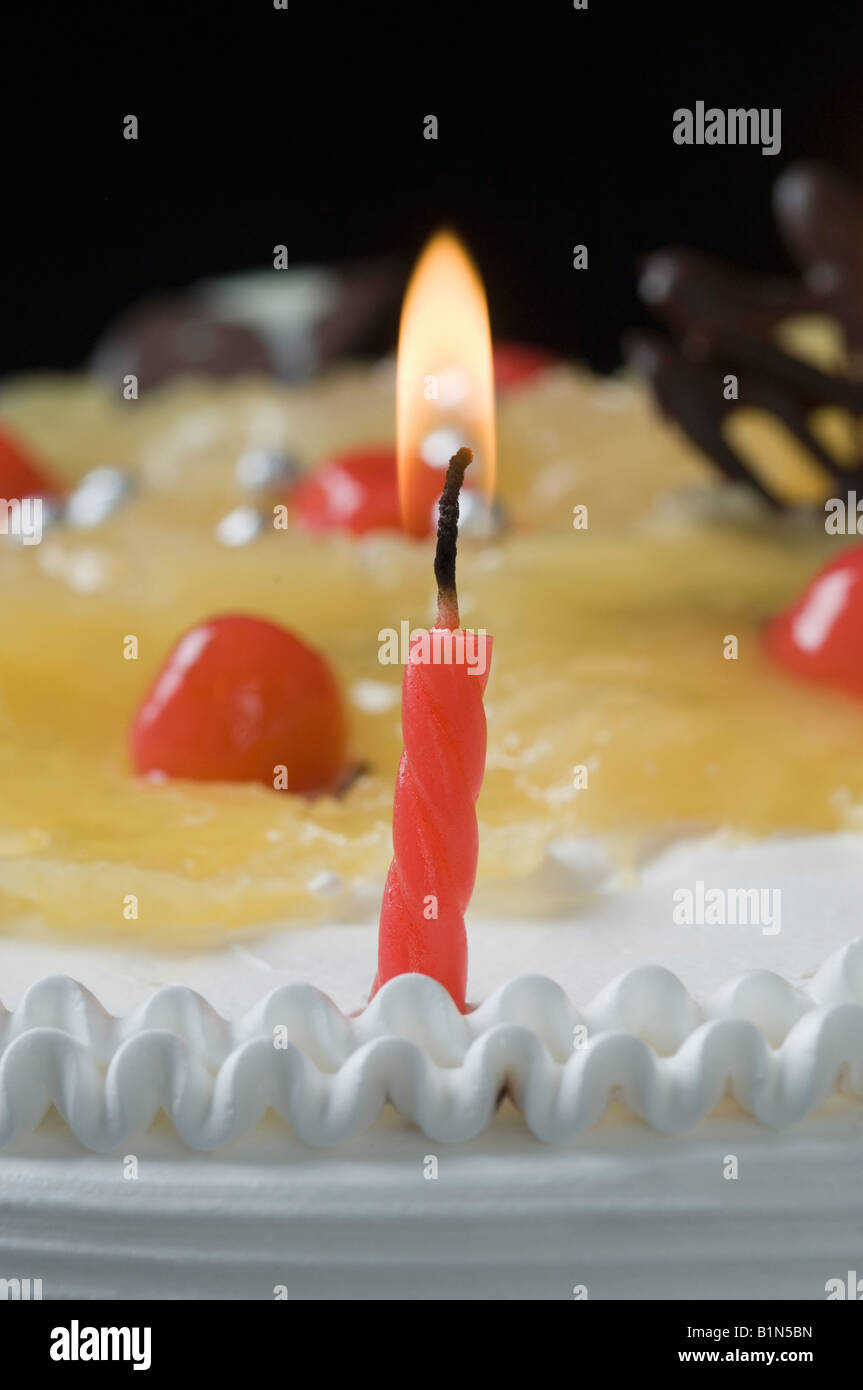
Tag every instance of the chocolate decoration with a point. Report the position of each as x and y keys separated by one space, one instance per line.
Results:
x=691 y=394
x=172 y=336
x=820 y=216
x=312 y=320
x=819 y=213
x=695 y=294
x=722 y=321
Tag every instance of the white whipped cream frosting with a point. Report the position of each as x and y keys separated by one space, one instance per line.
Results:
x=781 y=1053
x=776 y=1020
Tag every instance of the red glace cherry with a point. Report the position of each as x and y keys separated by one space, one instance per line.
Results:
x=356 y=491
x=515 y=364
x=237 y=699
x=820 y=637
x=20 y=475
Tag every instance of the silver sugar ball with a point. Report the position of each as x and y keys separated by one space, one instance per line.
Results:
x=438 y=447
x=258 y=470
x=97 y=496
x=239 y=527
x=478 y=519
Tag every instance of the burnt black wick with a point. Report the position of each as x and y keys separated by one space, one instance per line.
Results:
x=447 y=537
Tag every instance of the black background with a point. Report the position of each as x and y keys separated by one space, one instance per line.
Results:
x=305 y=127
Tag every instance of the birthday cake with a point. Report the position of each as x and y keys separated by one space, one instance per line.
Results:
x=662 y=1029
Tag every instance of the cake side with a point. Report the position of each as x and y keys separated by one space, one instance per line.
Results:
x=623 y=1213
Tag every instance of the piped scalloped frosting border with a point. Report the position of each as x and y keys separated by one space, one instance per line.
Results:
x=780 y=1051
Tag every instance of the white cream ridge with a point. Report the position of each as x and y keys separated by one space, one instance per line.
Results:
x=780 y=1051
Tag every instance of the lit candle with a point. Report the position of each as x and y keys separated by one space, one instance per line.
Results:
x=435 y=838
x=444 y=388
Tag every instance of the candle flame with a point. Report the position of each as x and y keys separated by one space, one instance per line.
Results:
x=444 y=379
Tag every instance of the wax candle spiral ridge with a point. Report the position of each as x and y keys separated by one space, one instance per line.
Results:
x=435 y=837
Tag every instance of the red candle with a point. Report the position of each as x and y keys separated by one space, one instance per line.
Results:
x=435 y=838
